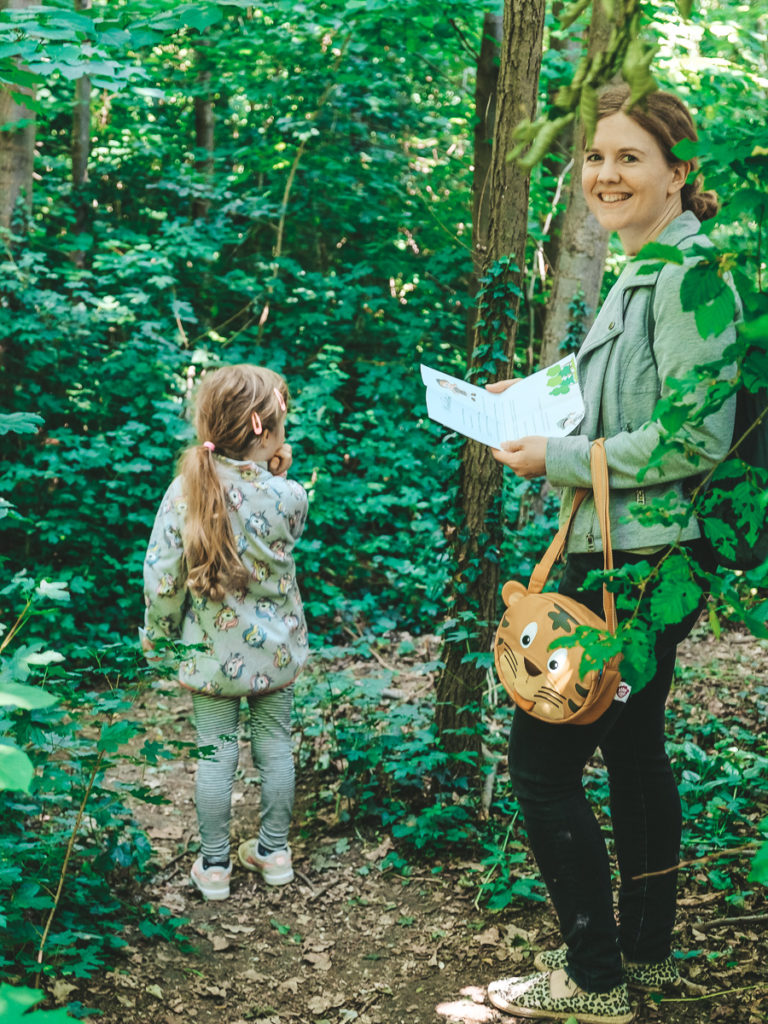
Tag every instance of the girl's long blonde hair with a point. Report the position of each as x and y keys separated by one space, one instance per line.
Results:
x=225 y=403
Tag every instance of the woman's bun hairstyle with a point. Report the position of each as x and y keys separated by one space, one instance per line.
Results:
x=668 y=120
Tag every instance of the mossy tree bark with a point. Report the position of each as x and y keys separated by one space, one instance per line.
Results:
x=583 y=244
x=478 y=525
x=17 y=151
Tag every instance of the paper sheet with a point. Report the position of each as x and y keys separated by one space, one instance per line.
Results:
x=547 y=404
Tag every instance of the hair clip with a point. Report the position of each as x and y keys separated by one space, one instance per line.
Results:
x=280 y=399
x=256 y=424
x=209 y=445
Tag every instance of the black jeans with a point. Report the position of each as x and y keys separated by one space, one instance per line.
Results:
x=546 y=764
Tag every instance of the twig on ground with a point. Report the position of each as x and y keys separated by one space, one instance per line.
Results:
x=741 y=919
x=169 y=870
x=731 y=851
x=306 y=881
x=712 y=995
x=323 y=888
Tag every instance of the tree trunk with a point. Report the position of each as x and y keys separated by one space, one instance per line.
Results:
x=478 y=527
x=81 y=149
x=485 y=120
x=17 y=151
x=203 y=140
x=583 y=243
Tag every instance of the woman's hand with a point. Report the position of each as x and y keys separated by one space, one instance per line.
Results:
x=526 y=457
x=281 y=461
x=501 y=385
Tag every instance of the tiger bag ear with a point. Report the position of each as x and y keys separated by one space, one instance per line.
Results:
x=512 y=591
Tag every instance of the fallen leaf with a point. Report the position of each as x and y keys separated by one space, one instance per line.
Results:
x=320 y=961
x=155 y=990
x=220 y=942
x=489 y=937
x=62 y=989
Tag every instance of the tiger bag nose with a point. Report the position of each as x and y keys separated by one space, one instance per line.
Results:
x=530 y=668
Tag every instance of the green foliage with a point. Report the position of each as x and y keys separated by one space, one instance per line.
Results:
x=378 y=760
x=363 y=284
x=69 y=846
x=16 y=1003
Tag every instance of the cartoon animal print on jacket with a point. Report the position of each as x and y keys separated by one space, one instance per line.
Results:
x=233 y=666
x=257 y=524
x=282 y=656
x=226 y=618
x=254 y=636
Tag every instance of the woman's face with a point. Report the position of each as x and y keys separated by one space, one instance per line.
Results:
x=627 y=183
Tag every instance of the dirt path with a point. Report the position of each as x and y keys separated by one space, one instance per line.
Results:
x=347 y=942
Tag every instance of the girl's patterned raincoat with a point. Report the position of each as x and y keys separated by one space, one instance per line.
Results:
x=255 y=641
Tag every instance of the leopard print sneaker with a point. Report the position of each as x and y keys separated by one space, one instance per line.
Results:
x=646 y=977
x=556 y=997
x=551 y=959
x=653 y=977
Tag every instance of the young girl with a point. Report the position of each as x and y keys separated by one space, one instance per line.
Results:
x=219 y=574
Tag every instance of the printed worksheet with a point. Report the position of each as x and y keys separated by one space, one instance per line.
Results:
x=547 y=404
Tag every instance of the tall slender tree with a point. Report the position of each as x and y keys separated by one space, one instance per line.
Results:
x=204 y=132
x=81 y=147
x=477 y=536
x=17 y=149
x=583 y=244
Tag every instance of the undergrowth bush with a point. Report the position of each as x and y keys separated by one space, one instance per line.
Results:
x=71 y=852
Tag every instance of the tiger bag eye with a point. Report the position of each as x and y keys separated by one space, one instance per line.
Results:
x=542 y=675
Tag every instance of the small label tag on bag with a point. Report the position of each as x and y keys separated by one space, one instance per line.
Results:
x=623 y=692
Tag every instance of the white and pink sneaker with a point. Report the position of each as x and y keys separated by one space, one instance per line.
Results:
x=275 y=868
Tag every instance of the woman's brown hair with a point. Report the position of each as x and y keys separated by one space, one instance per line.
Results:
x=668 y=120
x=225 y=403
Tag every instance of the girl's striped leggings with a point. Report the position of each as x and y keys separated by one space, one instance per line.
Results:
x=216 y=722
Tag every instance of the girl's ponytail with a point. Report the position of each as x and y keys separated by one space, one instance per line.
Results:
x=213 y=561
x=226 y=401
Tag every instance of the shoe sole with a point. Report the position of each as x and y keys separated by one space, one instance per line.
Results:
x=278 y=879
x=209 y=894
x=582 y=1018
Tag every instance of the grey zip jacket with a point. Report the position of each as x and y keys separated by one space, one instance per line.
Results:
x=621 y=380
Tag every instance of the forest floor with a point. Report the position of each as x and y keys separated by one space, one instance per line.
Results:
x=347 y=941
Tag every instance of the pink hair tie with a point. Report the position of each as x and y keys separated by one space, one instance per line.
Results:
x=280 y=399
x=209 y=445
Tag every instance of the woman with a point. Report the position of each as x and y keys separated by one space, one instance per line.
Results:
x=633 y=185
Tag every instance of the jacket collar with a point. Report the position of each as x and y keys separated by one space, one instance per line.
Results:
x=676 y=233
x=610 y=320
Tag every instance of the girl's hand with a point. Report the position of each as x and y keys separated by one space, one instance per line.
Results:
x=526 y=457
x=281 y=461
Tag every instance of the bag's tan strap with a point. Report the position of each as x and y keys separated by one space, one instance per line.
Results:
x=598 y=465
x=541 y=572
x=599 y=469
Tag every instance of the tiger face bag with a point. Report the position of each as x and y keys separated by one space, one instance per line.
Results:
x=541 y=675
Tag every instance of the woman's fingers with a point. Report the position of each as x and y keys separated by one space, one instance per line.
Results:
x=501 y=385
